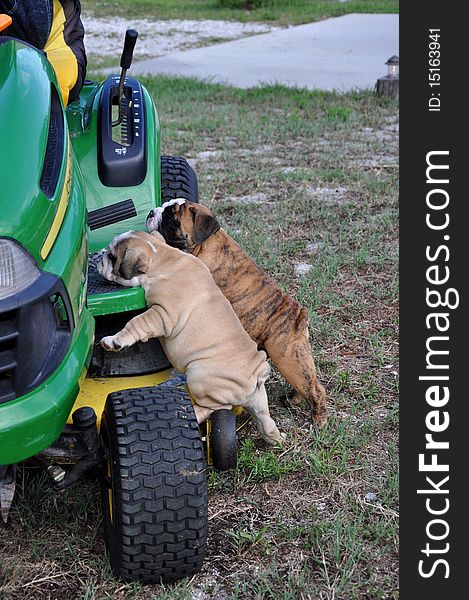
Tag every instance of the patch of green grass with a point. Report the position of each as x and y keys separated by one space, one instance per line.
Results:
x=245 y=541
x=258 y=466
x=338 y=114
x=277 y=11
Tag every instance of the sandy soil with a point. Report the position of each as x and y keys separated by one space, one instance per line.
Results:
x=104 y=37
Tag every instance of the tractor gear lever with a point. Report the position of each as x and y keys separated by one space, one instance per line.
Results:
x=128 y=51
x=126 y=60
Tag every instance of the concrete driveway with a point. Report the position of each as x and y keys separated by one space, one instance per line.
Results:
x=342 y=54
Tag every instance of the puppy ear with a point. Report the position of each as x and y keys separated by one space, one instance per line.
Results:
x=204 y=225
x=140 y=266
x=134 y=263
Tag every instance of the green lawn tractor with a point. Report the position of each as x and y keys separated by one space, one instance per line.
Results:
x=70 y=180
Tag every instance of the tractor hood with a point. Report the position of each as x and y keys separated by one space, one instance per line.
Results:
x=33 y=146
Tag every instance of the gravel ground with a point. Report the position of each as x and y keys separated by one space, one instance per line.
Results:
x=104 y=37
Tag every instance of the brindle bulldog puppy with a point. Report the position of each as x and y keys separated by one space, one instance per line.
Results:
x=274 y=320
x=197 y=327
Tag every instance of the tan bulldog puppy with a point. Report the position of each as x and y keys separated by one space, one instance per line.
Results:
x=274 y=320
x=198 y=329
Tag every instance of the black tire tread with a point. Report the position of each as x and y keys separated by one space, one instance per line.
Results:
x=178 y=179
x=159 y=527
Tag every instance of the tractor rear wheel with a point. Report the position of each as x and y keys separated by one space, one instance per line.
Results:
x=155 y=493
x=178 y=179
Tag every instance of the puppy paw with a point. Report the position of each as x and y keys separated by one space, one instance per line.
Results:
x=276 y=439
x=295 y=398
x=109 y=343
x=320 y=419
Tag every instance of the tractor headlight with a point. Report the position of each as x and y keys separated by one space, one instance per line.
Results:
x=36 y=322
x=17 y=269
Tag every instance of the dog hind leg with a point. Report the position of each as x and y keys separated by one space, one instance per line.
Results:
x=294 y=361
x=203 y=403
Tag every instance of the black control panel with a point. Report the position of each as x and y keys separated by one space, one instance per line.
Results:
x=122 y=153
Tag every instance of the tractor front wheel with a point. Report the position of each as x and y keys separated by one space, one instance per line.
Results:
x=155 y=492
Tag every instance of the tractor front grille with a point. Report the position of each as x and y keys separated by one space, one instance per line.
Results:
x=8 y=364
x=36 y=327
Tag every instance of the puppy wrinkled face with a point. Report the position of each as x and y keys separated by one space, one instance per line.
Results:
x=155 y=216
x=167 y=221
x=106 y=267
x=183 y=224
x=126 y=258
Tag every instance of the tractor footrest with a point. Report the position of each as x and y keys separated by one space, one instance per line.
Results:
x=96 y=283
